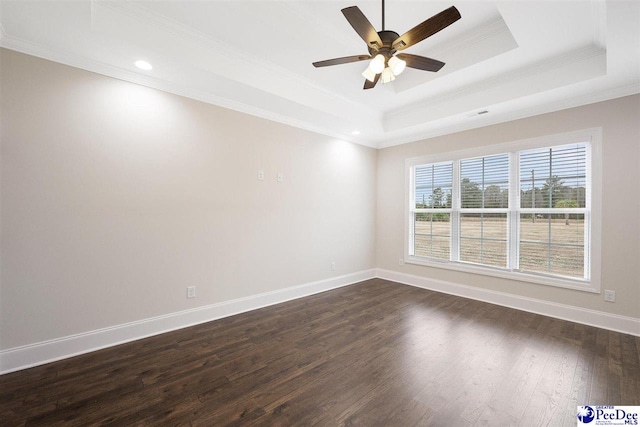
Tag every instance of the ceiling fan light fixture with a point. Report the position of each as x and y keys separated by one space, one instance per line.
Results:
x=397 y=65
x=368 y=74
x=377 y=64
x=387 y=76
x=382 y=45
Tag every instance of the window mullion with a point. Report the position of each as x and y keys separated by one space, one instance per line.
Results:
x=587 y=246
x=513 y=217
x=587 y=217
x=410 y=248
x=455 y=212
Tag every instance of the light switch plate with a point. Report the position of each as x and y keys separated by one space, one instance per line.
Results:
x=609 y=295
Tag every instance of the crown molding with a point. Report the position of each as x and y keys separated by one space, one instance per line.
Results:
x=400 y=125
x=555 y=63
x=480 y=43
x=472 y=37
x=170 y=26
x=98 y=67
x=476 y=122
x=81 y=62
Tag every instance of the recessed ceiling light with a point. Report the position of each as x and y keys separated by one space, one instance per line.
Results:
x=355 y=132
x=143 y=65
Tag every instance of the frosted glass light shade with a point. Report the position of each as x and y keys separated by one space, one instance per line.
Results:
x=368 y=74
x=387 y=75
x=397 y=65
x=377 y=64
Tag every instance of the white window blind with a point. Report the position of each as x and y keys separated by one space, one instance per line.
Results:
x=434 y=184
x=554 y=216
x=431 y=215
x=526 y=212
x=484 y=193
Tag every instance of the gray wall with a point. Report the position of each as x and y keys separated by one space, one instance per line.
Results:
x=115 y=197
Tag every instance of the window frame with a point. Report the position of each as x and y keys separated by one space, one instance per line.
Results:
x=592 y=208
x=482 y=210
x=445 y=210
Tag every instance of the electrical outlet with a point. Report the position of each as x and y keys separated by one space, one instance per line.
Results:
x=191 y=291
x=280 y=177
x=609 y=295
x=401 y=261
x=260 y=175
x=333 y=266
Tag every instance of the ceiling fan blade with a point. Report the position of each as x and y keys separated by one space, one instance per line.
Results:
x=421 y=62
x=371 y=85
x=363 y=27
x=343 y=60
x=428 y=28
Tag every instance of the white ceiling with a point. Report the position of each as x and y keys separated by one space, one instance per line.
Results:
x=512 y=58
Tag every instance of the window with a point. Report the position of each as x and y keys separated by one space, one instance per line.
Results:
x=484 y=203
x=431 y=231
x=552 y=210
x=521 y=210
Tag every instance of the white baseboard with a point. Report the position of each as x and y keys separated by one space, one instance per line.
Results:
x=18 y=358
x=600 y=319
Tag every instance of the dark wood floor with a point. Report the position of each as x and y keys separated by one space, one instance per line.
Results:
x=375 y=353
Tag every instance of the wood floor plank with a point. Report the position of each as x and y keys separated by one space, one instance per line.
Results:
x=515 y=392
x=553 y=391
x=494 y=417
x=374 y=353
x=580 y=386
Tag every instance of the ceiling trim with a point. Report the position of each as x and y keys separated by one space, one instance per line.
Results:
x=394 y=129
x=473 y=36
x=491 y=39
x=81 y=62
x=476 y=122
x=578 y=55
x=170 y=26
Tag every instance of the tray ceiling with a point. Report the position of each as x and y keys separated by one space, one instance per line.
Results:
x=510 y=58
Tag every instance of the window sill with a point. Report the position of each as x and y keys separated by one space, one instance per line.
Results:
x=579 y=285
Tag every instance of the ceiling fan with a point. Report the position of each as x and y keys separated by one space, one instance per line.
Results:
x=385 y=65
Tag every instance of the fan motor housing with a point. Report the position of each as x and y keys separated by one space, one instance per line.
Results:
x=387 y=37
